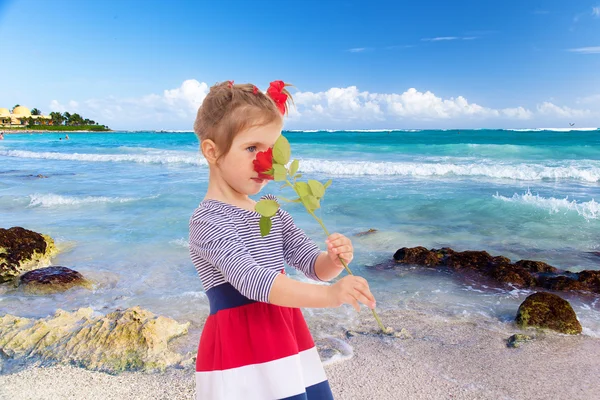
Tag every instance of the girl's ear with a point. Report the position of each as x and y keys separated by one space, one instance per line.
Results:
x=209 y=151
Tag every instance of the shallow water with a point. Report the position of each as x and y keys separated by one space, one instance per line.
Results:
x=118 y=206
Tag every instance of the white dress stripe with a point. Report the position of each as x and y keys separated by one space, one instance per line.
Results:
x=278 y=379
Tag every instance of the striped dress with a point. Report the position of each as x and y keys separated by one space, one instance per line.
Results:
x=250 y=349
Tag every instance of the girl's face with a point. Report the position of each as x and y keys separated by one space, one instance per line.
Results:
x=237 y=167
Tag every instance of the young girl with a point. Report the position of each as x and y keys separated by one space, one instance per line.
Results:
x=255 y=344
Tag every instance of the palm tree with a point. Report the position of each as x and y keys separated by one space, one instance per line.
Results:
x=35 y=111
x=17 y=105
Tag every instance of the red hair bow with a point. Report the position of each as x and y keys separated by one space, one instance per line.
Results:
x=275 y=92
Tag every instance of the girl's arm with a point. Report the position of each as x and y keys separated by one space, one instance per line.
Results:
x=325 y=268
x=350 y=289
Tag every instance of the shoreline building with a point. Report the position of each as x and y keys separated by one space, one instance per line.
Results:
x=20 y=117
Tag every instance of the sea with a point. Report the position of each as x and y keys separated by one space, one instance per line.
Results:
x=118 y=206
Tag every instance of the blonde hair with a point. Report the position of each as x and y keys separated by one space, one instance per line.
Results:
x=229 y=109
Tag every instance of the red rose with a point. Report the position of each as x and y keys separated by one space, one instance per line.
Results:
x=275 y=92
x=263 y=164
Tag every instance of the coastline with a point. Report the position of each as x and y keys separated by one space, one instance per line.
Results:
x=441 y=359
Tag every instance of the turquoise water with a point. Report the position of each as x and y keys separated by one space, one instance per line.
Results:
x=118 y=205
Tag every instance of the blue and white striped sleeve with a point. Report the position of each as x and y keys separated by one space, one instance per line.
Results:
x=214 y=238
x=299 y=250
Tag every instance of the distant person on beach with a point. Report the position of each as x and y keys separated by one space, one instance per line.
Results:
x=1 y=135
x=255 y=344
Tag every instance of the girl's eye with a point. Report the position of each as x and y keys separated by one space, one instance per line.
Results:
x=251 y=149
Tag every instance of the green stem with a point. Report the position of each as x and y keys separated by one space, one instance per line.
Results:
x=383 y=329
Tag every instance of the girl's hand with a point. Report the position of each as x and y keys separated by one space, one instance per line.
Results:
x=339 y=245
x=351 y=290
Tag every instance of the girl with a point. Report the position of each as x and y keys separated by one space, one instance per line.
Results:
x=255 y=344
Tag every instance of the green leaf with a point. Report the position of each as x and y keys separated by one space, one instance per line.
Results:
x=282 y=151
x=311 y=202
x=265 y=226
x=317 y=188
x=298 y=176
x=327 y=184
x=294 y=167
x=267 y=208
x=302 y=188
x=279 y=173
x=288 y=200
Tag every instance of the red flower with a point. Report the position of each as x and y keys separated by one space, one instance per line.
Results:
x=275 y=92
x=263 y=164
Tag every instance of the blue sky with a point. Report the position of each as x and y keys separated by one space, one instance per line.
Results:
x=355 y=64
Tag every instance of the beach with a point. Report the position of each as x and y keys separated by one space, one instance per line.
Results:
x=442 y=359
x=118 y=206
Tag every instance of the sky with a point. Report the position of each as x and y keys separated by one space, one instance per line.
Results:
x=354 y=64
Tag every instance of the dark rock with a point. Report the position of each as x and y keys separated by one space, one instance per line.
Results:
x=475 y=260
x=416 y=255
x=509 y=273
x=21 y=250
x=517 y=339
x=366 y=232
x=536 y=266
x=52 y=279
x=561 y=283
x=591 y=279
x=547 y=310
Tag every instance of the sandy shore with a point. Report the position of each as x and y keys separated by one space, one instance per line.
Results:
x=444 y=359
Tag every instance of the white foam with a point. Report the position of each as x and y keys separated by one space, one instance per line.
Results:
x=528 y=172
x=588 y=210
x=553 y=129
x=51 y=200
x=181 y=242
x=159 y=157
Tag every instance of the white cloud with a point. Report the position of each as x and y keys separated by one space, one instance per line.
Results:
x=596 y=11
x=547 y=108
x=589 y=99
x=586 y=50
x=448 y=38
x=335 y=108
x=357 y=50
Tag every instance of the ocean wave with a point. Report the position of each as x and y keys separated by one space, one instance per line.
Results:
x=161 y=157
x=181 y=242
x=588 y=210
x=529 y=172
x=552 y=130
x=51 y=200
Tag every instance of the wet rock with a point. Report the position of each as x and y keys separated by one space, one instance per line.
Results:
x=22 y=250
x=132 y=339
x=475 y=260
x=591 y=279
x=547 y=310
x=523 y=273
x=536 y=266
x=509 y=273
x=517 y=339
x=51 y=280
x=417 y=255
x=366 y=232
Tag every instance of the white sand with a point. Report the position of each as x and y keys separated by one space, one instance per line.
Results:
x=443 y=360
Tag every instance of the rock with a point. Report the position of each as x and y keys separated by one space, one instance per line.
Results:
x=133 y=339
x=366 y=232
x=591 y=279
x=536 y=266
x=469 y=260
x=523 y=273
x=509 y=273
x=22 y=250
x=51 y=280
x=517 y=339
x=417 y=255
x=547 y=310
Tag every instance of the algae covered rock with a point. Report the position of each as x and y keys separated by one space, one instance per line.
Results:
x=547 y=310
x=51 y=280
x=22 y=250
x=131 y=339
